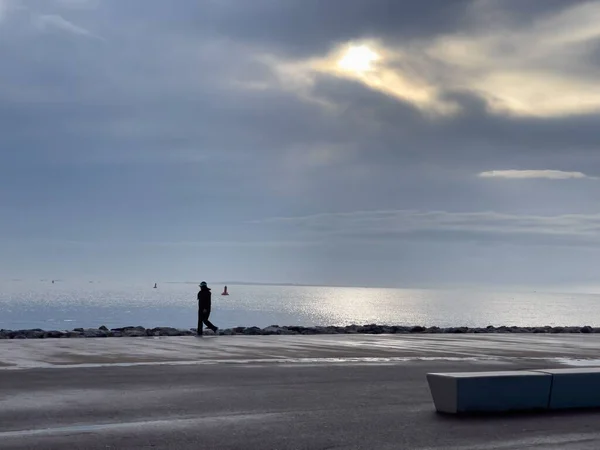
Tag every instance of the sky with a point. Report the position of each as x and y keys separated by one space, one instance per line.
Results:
x=346 y=142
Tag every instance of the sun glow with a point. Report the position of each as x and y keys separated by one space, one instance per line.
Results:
x=358 y=59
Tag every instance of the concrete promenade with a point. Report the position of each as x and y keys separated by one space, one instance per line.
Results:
x=274 y=392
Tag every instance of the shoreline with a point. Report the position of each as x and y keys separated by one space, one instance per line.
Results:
x=139 y=331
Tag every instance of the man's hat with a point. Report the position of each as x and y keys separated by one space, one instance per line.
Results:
x=203 y=284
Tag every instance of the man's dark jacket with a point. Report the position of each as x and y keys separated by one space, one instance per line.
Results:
x=204 y=299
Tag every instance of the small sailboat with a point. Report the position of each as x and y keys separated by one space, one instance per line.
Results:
x=155 y=286
x=225 y=291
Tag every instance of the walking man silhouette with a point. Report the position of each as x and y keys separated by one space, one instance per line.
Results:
x=204 y=304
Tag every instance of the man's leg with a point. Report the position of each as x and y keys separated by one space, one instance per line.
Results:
x=200 y=318
x=207 y=322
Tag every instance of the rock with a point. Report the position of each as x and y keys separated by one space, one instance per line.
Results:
x=273 y=329
x=53 y=334
x=319 y=330
x=166 y=331
x=460 y=330
x=122 y=329
x=94 y=333
x=308 y=330
x=35 y=334
x=288 y=331
x=294 y=329
x=252 y=331
x=134 y=332
x=139 y=331
x=371 y=329
x=401 y=330
x=74 y=334
x=129 y=331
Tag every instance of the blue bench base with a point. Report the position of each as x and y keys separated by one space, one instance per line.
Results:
x=550 y=389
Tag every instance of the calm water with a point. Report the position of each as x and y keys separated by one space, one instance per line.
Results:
x=67 y=305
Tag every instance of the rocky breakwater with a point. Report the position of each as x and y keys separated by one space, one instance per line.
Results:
x=104 y=332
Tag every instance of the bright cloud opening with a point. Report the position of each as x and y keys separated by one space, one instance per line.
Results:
x=358 y=59
x=371 y=64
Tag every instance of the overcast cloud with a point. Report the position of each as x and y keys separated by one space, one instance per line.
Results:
x=369 y=142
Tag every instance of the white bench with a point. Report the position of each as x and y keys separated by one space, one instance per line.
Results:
x=473 y=392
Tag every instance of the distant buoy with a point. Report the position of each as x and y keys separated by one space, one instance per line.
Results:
x=225 y=291
x=155 y=286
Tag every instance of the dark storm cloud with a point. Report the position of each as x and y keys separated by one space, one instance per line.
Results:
x=298 y=27
x=168 y=82
x=311 y=26
x=308 y=27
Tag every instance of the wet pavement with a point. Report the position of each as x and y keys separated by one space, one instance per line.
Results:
x=328 y=349
x=274 y=392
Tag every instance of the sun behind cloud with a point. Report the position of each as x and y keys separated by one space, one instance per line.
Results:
x=544 y=69
x=358 y=59
x=370 y=63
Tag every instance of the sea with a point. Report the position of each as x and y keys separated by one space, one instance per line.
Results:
x=67 y=305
